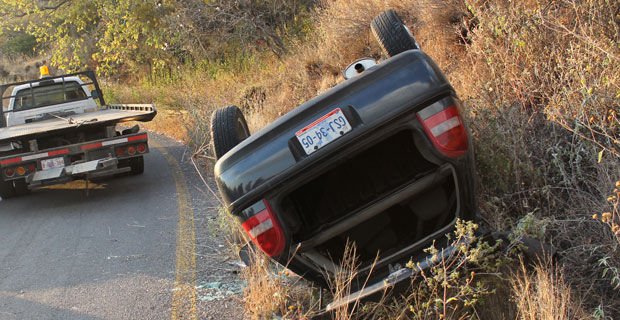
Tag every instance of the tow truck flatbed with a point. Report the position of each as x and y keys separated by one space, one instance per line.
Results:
x=111 y=114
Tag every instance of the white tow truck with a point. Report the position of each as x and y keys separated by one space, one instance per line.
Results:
x=57 y=129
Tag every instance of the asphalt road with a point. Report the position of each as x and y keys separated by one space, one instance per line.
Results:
x=127 y=250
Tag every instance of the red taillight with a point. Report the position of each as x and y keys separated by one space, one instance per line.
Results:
x=32 y=168
x=263 y=228
x=120 y=152
x=141 y=148
x=444 y=126
x=131 y=150
x=9 y=172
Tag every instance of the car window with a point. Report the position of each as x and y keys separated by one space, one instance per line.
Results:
x=46 y=95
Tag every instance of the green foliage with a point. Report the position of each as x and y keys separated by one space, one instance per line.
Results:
x=153 y=37
x=610 y=271
x=133 y=35
x=529 y=226
x=113 y=35
x=452 y=287
x=17 y=44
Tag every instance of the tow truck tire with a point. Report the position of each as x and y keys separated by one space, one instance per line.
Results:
x=228 y=129
x=6 y=189
x=137 y=165
x=392 y=34
x=20 y=187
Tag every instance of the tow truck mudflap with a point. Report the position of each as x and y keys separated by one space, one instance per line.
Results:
x=95 y=167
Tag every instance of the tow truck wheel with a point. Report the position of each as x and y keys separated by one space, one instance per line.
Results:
x=136 y=164
x=20 y=187
x=6 y=189
x=228 y=129
x=392 y=34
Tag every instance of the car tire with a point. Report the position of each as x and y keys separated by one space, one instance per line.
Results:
x=392 y=34
x=7 y=190
x=228 y=129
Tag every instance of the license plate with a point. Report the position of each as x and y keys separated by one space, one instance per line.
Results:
x=323 y=131
x=52 y=163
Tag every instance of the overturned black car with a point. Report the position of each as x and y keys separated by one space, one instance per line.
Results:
x=383 y=160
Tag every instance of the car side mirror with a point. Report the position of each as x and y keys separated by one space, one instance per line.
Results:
x=358 y=67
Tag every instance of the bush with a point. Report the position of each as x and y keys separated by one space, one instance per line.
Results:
x=17 y=44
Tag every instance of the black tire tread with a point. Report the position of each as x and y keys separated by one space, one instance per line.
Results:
x=224 y=129
x=20 y=187
x=391 y=34
x=137 y=165
x=7 y=190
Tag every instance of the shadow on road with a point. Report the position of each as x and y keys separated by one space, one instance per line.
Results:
x=35 y=308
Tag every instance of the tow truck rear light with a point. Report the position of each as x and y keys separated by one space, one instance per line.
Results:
x=120 y=152
x=35 y=156
x=263 y=228
x=9 y=172
x=444 y=127
x=131 y=150
x=141 y=148
x=20 y=171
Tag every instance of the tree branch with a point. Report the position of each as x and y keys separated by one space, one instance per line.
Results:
x=41 y=5
x=44 y=5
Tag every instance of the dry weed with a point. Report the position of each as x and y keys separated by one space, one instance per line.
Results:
x=544 y=294
x=265 y=293
x=273 y=291
x=544 y=114
x=13 y=69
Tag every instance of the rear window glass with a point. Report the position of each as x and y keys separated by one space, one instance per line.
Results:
x=47 y=95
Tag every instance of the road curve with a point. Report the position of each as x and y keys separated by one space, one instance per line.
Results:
x=125 y=250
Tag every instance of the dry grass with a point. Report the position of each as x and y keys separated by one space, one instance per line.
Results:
x=544 y=115
x=172 y=123
x=19 y=68
x=265 y=294
x=544 y=294
x=273 y=291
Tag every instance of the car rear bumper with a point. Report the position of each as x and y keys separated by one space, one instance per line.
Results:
x=400 y=278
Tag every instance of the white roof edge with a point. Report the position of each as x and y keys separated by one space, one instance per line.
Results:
x=36 y=84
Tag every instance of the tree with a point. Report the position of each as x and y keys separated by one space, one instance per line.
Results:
x=118 y=37
x=111 y=35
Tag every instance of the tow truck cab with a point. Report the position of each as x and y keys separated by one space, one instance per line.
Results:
x=48 y=98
